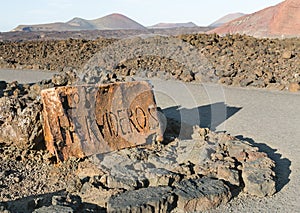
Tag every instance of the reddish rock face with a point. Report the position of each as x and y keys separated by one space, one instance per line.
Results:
x=85 y=120
x=281 y=20
x=287 y=20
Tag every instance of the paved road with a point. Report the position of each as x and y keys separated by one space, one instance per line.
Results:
x=267 y=119
x=24 y=76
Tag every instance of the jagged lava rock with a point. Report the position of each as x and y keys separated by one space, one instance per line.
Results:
x=201 y=194
x=151 y=199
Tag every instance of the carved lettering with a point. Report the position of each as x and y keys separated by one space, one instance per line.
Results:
x=140 y=117
x=131 y=120
x=123 y=121
x=96 y=119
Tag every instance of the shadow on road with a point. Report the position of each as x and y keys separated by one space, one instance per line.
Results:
x=180 y=121
x=282 y=165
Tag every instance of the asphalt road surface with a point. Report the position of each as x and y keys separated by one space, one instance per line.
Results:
x=267 y=119
x=24 y=76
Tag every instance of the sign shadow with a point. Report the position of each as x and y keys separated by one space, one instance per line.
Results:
x=179 y=121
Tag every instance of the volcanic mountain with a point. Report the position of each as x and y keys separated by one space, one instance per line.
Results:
x=281 y=20
x=110 y=22
x=226 y=19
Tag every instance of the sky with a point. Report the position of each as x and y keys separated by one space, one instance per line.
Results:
x=146 y=12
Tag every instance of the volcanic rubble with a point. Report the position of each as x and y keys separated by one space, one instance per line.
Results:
x=236 y=60
x=189 y=174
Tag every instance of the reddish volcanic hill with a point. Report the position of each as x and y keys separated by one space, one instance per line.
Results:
x=281 y=20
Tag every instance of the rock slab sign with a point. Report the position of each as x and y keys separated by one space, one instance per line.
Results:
x=87 y=119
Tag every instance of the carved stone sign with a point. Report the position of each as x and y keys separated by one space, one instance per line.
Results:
x=84 y=120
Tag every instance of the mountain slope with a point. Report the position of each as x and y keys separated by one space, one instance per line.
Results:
x=287 y=19
x=116 y=21
x=109 y=22
x=80 y=23
x=281 y=20
x=226 y=19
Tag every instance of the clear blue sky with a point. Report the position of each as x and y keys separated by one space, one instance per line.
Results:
x=146 y=12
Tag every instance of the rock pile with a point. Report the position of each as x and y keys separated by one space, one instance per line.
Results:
x=231 y=60
x=249 y=62
x=185 y=175
x=49 y=55
x=177 y=175
x=20 y=111
x=174 y=59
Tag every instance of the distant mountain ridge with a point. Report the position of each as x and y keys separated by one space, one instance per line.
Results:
x=226 y=19
x=113 y=21
x=173 y=25
x=281 y=20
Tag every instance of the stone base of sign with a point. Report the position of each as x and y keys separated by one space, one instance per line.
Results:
x=151 y=199
x=201 y=194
